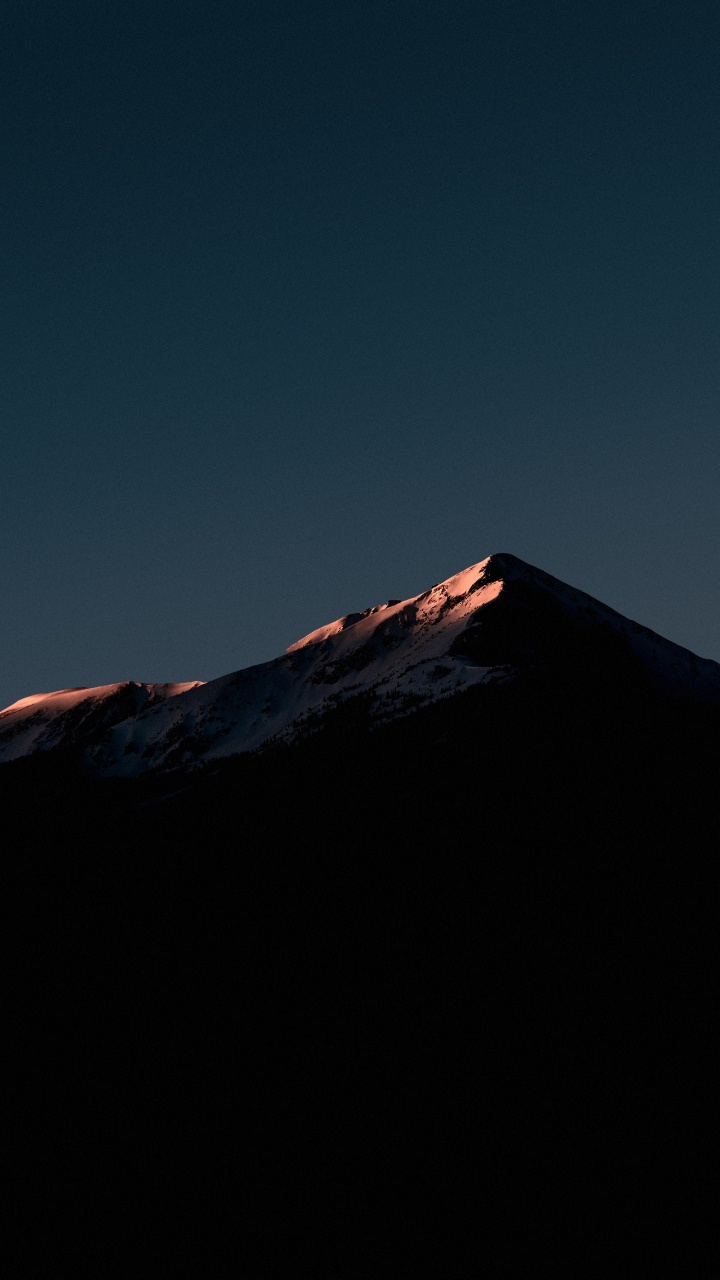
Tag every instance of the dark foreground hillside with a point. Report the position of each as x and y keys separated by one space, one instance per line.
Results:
x=374 y=1004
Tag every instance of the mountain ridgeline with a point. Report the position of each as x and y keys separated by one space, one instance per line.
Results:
x=338 y=962
x=492 y=623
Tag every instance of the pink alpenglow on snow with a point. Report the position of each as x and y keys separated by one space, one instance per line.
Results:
x=67 y=716
x=478 y=627
x=428 y=608
x=397 y=653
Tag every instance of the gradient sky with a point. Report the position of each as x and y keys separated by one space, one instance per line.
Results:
x=305 y=305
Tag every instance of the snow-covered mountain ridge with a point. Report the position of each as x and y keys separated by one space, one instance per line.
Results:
x=491 y=621
x=46 y=720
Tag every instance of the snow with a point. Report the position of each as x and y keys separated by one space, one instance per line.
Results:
x=399 y=655
x=61 y=699
x=45 y=720
x=396 y=652
x=364 y=623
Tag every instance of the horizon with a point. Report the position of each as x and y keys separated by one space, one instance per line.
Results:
x=304 y=308
x=304 y=639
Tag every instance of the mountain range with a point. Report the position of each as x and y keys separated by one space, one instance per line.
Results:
x=490 y=623
x=396 y=951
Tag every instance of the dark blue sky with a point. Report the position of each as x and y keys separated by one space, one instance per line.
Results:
x=305 y=305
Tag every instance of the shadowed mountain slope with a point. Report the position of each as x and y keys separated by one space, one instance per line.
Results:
x=492 y=622
x=401 y=991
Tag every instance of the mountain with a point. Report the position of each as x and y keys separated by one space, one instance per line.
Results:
x=396 y=952
x=492 y=622
x=73 y=716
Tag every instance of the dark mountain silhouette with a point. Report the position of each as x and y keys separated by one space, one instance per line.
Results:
x=425 y=979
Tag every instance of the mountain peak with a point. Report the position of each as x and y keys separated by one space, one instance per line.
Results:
x=434 y=601
x=498 y=618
